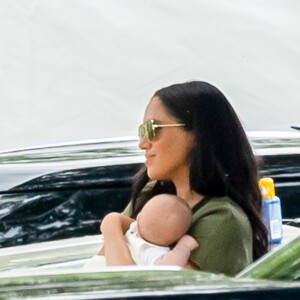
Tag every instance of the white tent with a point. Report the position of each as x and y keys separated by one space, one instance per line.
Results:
x=81 y=69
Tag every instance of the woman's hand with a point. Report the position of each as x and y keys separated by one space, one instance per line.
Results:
x=180 y=254
x=187 y=242
x=190 y=244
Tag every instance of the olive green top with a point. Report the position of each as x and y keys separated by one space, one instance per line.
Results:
x=223 y=232
x=224 y=235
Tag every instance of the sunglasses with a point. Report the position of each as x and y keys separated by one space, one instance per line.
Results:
x=148 y=128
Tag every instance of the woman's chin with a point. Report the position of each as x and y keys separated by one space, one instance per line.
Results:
x=153 y=175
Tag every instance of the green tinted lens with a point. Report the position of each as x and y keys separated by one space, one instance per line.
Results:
x=141 y=131
x=147 y=129
x=150 y=129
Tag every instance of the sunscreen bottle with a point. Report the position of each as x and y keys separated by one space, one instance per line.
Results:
x=271 y=210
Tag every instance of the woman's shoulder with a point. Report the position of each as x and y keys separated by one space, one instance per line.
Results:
x=219 y=208
x=209 y=203
x=220 y=226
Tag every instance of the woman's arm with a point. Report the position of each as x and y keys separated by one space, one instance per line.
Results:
x=113 y=228
x=226 y=238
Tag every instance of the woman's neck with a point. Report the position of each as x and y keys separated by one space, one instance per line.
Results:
x=191 y=197
x=185 y=192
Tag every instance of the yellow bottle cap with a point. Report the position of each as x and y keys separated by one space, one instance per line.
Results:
x=267 y=188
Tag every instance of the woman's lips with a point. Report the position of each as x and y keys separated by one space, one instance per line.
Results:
x=149 y=157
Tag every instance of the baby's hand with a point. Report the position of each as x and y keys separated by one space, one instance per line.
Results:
x=188 y=241
x=110 y=222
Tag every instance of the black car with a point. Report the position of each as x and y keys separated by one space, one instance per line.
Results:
x=52 y=199
x=61 y=191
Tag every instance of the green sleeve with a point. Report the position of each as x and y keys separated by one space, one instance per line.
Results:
x=142 y=198
x=128 y=209
x=225 y=241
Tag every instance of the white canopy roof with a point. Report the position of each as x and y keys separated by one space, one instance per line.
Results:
x=80 y=69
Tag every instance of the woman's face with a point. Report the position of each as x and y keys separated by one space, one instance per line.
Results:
x=167 y=154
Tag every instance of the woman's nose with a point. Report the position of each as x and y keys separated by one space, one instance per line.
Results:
x=144 y=143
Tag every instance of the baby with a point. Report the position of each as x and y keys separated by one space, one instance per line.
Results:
x=158 y=235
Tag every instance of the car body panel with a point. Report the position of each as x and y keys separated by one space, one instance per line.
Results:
x=52 y=199
x=141 y=283
x=59 y=191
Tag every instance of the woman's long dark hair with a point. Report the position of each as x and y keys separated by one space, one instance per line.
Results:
x=221 y=162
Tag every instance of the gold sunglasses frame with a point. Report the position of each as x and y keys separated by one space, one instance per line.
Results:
x=150 y=126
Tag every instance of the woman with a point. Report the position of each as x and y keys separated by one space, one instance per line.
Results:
x=195 y=146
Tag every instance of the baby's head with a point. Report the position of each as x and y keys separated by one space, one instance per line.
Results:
x=164 y=219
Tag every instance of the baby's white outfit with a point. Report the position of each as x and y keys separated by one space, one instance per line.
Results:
x=142 y=252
